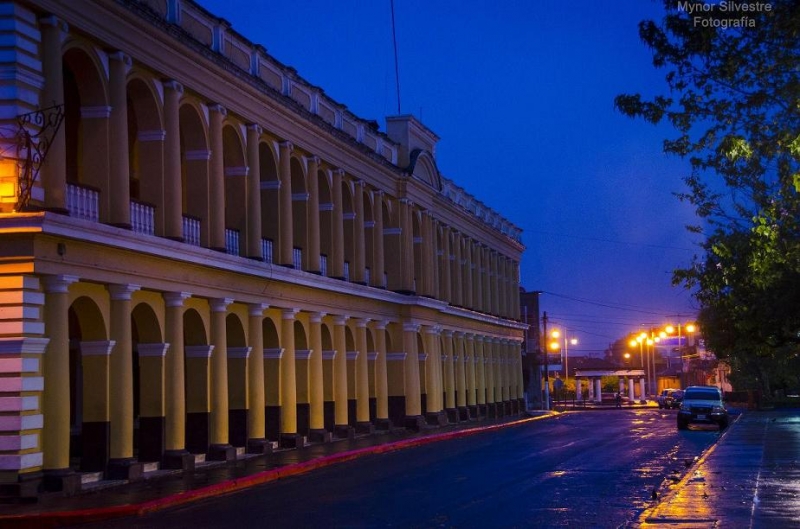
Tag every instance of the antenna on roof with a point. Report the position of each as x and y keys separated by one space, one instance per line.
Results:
x=396 y=67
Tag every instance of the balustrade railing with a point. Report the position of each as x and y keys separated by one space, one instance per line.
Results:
x=346 y=271
x=266 y=250
x=323 y=265
x=297 y=258
x=83 y=202
x=231 y=241
x=191 y=230
x=143 y=217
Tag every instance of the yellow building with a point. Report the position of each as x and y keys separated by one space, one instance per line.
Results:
x=201 y=254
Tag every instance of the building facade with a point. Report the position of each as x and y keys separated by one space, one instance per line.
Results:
x=201 y=254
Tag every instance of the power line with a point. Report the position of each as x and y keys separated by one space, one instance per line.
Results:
x=612 y=241
x=618 y=306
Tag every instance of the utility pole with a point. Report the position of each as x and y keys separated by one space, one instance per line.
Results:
x=546 y=363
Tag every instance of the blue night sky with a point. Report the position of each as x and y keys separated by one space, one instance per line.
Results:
x=521 y=95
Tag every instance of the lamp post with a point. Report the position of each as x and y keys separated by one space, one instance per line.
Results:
x=546 y=363
x=556 y=334
x=690 y=328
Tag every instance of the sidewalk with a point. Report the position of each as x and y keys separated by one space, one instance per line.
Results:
x=750 y=479
x=172 y=488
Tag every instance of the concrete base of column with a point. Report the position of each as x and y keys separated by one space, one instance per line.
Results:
x=63 y=480
x=221 y=452
x=127 y=468
x=463 y=413
x=291 y=440
x=491 y=410
x=452 y=415
x=319 y=436
x=482 y=411
x=25 y=489
x=259 y=446
x=521 y=405
x=383 y=425
x=344 y=431
x=365 y=427
x=414 y=423
x=436 y=418
x=178 y=459
x=474 y=412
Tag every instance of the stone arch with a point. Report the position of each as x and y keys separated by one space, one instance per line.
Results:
x=392 y=245
x=299 y=213
x=86 y=321
x=325 y=219
x=423 y=366
x=146 y=333
x=86 y=123
x=369 y=234
x=418 y=241
x=238 y=352
x=194 y=328
x=270 y=197
x=302 y=377
x=146 y=327
x=271 y=335
x=146 y=153
x=87 y=329
x=234 y=329
x=351 y=352
x=197 y=351
x=195 y=157
x=300 y=336
x=349 y=225
x=235 y=176
x=327 y=338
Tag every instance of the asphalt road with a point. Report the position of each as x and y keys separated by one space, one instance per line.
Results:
x=590 y=469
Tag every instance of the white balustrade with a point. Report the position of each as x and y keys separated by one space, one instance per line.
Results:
x=143 y=218
x=231 y=241
x=191 y=230
x=83 y=202
x=266 y=250
x=297 y=258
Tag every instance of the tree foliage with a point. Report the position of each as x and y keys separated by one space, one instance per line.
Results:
x=734 y=99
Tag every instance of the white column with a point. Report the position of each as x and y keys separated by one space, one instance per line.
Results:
x=630 y=390
x=598 y=390
x=590 y=382
x=578 y=389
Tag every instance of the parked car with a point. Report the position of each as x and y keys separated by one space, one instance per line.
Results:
x=702 y=404
x=676 y=399
x=664 y=399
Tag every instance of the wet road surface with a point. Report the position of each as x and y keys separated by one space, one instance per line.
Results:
x=580 y=469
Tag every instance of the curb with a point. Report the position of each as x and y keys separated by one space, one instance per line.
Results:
x=650 y=514
x=48 y=520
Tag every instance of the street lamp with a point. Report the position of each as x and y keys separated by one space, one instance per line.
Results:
x=555 y=335
x=690 y=328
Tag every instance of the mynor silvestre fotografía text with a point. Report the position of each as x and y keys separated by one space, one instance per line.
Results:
x=724 y=14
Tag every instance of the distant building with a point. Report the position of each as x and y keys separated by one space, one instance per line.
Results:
x=214 y=257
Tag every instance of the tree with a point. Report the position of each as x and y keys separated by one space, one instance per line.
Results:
x=734 y=100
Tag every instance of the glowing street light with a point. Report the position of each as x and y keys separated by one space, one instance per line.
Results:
x=555 y=345
x=690 y=328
